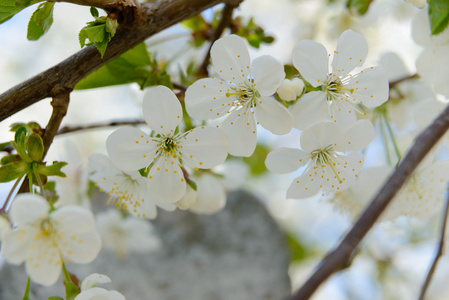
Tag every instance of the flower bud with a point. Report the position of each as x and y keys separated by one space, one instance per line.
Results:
x=290 y=89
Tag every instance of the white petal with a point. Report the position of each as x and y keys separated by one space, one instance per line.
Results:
x=356 y=137
x=304 y=186
x=311 y=108
x=205 y=147
x=167 y=183
x=311 y=60
x=131 y=149
x=44 y=265
x=268 y=74
x=286 y=160
x=240 y=127
x=75 y=219
x=161 y=109
x=351 y=51
x=273 y=116
x=370 y=88
x=433 y=65
x=347 y=169
x=94 y=279
x=320 y=135
x=342 y=113
x=81 y=248
x=230 y=58
x=16 y=243
x=211 y=195
x=206 y=99
x=28 y=208
x=102 y=165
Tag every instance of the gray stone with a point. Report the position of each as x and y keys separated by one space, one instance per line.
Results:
x=237 y=254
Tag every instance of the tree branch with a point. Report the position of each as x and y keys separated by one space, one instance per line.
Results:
x=440 y=247
x=153 y=17
x=70 y=129
x=339 y=258
x=60 y=105
x=226 y=18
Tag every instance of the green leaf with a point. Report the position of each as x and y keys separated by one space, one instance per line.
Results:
x=131 y=66
x=20 y=134
x=55 y=298
x=256 y=161
x=19 y=144
x=192 y=184
x=35 y=147
x=40 y=21
x=297 y=251
x=13 y=171
x=8 y=8
x=359 y=6
x=94 y=12
x=52 y=170
x=438 y=15
x=8 y=159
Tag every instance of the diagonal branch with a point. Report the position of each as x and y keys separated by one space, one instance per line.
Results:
x=225 y=21
x=440 y=247
x=340 y=257
x=153 y=17
x=68 y=129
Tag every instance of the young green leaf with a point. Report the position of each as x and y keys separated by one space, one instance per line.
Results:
x=438 y=15
x=8 y=8
x=98 y=32
x=52 y=170
x=359 y=6
x=35 y=147
x=40 y=21
x=13 y=171
x=94 y=12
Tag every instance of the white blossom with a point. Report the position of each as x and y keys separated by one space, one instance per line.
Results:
x=290 y=89
x=238 y=92
x=129 y=191
x=124 y=235
x=165 y=153
x=43 y=238
x=89 y=291
x=327 y=167
x=341 y=91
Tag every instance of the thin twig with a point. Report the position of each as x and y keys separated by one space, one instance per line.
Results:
x=394 y=83
x=225 y=21
x=70 y=129
x=340 y=257
x=440 y=247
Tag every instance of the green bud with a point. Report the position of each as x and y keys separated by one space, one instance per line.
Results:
x=111 y=26
x=35 y=147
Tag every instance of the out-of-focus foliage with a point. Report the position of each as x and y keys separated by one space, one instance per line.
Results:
x=40 y=21
x=359 y=6
x=253 y=33
x=135 y=65
x=256 y=161
x=8 y=8
x=438 y=15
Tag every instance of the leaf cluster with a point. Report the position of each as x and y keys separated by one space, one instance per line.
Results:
x=253 y=33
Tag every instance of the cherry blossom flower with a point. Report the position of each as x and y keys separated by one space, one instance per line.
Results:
x=239 y=91
x=125 y=235
x=340 y=91
x=89 y=291
x=327 y=167
x=165 y=153
x=43 y=238
x=129 y=191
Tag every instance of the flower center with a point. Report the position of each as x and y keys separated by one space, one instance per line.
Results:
x=333 y=87
x=246 y=94
x=168 y=144
x=47 y=228
x=325 y=157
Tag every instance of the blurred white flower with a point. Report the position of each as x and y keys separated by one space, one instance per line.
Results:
x=130 y=190
x=238 y=93
x=89 y=291
x=235 y=172
x=124 y=235
x=340 y=92
x=4 y=224
x=42 y=238
x=418 y=3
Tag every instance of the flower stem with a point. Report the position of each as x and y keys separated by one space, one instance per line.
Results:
x=393 y=139
x=384 y=136
x=26 y=295
x=71 y=289
x=41 y=186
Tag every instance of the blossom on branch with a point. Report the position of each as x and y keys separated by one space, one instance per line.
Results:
x=128 y=191
x=239 y=91
x=164 y=154
x=327 y=167
x=43 y=238
x=340 y=92
x=89 y=291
